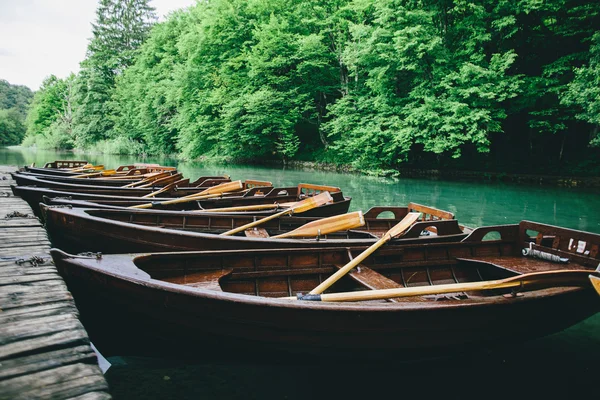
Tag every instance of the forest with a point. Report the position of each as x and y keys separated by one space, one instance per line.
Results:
x=14 y=103
x=489 y=85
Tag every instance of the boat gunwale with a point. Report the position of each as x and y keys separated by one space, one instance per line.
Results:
x=157 y=284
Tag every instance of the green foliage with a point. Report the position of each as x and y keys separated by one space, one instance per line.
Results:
x=584 y=91
x=16 y=97
x=50 y=118
x=120 y=145
x=14 y=101
x=120 y=28
x=12 y=128
x=375 y=84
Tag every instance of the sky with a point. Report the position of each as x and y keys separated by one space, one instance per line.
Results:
x=43 y=37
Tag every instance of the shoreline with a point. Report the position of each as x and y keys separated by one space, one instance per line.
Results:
x=433 y=174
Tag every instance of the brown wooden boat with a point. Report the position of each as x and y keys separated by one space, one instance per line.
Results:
x=73 y=168
x=184 y=187
x=472 y=294
x=35 y=195
x=92 y=183
x=121 y=231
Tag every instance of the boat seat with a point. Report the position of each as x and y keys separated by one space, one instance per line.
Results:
x=372 y=279
x=519 y=264
x=257 y=233
x=207 y=280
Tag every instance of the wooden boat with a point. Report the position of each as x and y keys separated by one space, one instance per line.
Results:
x=471 y=295
x=122 y=231
x=74 y=168
x=184 y=188
x=35 y=195
x=66 y=182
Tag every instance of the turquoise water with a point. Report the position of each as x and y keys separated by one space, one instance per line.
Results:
x=564 y=363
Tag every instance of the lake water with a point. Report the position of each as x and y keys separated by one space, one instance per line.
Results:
x=564 y=363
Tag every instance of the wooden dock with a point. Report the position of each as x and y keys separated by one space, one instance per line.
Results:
x=44 y=350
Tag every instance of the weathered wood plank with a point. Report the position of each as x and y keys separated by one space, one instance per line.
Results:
x=12 y=280
x=37 y=311
x=43 y=361
x=63 y=382
x=44 y=350
x=62 y=339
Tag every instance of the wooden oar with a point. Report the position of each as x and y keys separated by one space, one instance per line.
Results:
x=86 y=168
x=301 y=206
x=165 y=180
x=327 y=225
x=107 y=172
x=595 y=283
x=557 y=278
x=256 y=207
x=396 y=231
x=151 y=178
x=214 y=191
x=166 y=188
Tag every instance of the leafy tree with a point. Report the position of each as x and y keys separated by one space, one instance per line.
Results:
x=12 y=128
x=15 y=97
x=121 y=27
x=584 y=92
x=51 y=112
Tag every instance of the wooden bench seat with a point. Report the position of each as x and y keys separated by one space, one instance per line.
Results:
x=207 y=280
x=372 y=279
x=521 y=264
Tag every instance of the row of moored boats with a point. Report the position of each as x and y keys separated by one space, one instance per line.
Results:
x=159 y=263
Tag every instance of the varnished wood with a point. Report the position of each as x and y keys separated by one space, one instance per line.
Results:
x=214 y=191
x=249 y=314
x=372 y=279
x=299 y=207
x=114 y=231
x=327 y=225
x=396 y=231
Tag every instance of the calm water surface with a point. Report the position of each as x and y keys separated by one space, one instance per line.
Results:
x=562 y=364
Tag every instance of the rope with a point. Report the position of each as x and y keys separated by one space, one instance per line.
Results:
x=17 y=214
x=542 y=255
x=35 y=261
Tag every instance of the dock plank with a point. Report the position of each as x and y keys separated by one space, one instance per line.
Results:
x=45 y=351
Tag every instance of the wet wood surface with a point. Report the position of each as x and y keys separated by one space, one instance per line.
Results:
x=45 y=351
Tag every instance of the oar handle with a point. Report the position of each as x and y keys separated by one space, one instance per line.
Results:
x=255 y=223
x=326 y=284
x=396 y=230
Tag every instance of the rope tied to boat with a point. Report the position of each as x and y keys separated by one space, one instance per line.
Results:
x=542 y=255
x=17 y=214
x=89 y=254
x=4 y=194
x=35 y=261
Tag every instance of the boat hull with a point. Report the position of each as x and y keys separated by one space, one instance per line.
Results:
x=110 y=232
x=35 y=195
x=125 y=317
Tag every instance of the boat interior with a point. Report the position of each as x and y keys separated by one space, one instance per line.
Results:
x=378 y=220
x=488 y=253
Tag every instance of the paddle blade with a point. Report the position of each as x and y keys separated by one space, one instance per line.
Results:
x=324 y=226
x=223 y=187
x=595 y=283
x=403 y=225
x=311 y=202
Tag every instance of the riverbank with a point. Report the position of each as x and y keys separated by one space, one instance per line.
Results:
x=448 y=174
x=423 y=173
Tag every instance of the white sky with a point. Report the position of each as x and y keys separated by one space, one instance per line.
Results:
x=43 y=37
